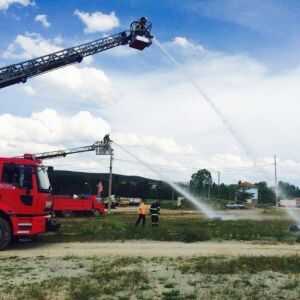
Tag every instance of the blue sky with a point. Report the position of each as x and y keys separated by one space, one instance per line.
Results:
x=244 y=54
x=253 y=27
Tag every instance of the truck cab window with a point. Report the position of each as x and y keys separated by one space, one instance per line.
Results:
x=17 y=175
x=43 y=179
x=11 y=174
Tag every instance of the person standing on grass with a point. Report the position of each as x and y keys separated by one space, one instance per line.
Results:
x=142 y=210
x=155 y=211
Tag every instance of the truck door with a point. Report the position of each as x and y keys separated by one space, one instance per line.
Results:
x=21 y=198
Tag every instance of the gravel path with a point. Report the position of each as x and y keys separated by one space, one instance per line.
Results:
x=150 y=249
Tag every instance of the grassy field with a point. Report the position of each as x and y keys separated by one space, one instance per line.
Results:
x=90 y=278
x=181 y=228
x=167 y=278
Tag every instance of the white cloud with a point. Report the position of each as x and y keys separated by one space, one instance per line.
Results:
x=52 y=128
x=98 y=21
x=55 y=131
x=5 y=4
x=165 y=145
x=185 y=43
x=43 y=19
x=30 y=45
x=85 y=83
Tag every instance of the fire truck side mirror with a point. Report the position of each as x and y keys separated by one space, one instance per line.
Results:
x=27 y=182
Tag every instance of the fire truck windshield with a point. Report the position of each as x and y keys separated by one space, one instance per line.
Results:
x=43 y=179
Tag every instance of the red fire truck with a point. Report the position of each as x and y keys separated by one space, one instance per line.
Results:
x=25 y=199
x=26 y=202
x=64 y=205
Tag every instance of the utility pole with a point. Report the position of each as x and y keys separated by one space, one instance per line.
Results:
x=275 y=181
x=209 y=183
x=110 y=183
x=219 y=182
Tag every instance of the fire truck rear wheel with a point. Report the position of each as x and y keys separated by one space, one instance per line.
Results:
x=5 y=233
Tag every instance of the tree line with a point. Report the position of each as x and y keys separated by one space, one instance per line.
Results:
x=201 y=184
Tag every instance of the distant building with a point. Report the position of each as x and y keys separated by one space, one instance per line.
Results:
x=290 y=202
x=124 y=201
x=250 y=191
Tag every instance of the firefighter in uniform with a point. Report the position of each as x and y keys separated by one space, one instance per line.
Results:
x=106 y=139
x=155 y=211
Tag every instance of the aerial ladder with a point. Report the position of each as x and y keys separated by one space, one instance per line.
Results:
x=100 y=148
x=138 y=37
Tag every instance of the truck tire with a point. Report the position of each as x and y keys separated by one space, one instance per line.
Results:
x=5 y=233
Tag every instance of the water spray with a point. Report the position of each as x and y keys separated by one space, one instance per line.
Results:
x=243 y=145
x=208 y=211
x=291 y=213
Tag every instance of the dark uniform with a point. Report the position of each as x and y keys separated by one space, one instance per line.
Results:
x=155 y=211
x=106 y=139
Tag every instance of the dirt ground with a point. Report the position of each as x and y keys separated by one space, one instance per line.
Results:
x=151 y=249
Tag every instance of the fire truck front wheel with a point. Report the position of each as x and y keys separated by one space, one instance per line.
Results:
x=5 y=233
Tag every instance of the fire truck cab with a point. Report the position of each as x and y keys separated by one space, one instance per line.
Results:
x=25 y=199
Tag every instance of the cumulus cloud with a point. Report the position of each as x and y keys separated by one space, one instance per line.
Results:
x=54 y=131
x=85 y=82
x=166 y=145
x=186 y=43
x=5 y=4
x=43 y=19
x=30 y=45
x=52 y=128
x=98 y=21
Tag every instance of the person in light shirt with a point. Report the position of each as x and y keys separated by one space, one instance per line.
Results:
x=142 y=211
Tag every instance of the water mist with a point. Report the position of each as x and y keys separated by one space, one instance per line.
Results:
x=208 y=211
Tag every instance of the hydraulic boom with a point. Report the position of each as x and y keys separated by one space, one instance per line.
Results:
x=101 y=148
x=138 y=37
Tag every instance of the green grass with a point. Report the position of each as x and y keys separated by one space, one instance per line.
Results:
x=172 y=295
x=196 y=278
x=185 y=229
x=243 y=264
x=112 y=277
